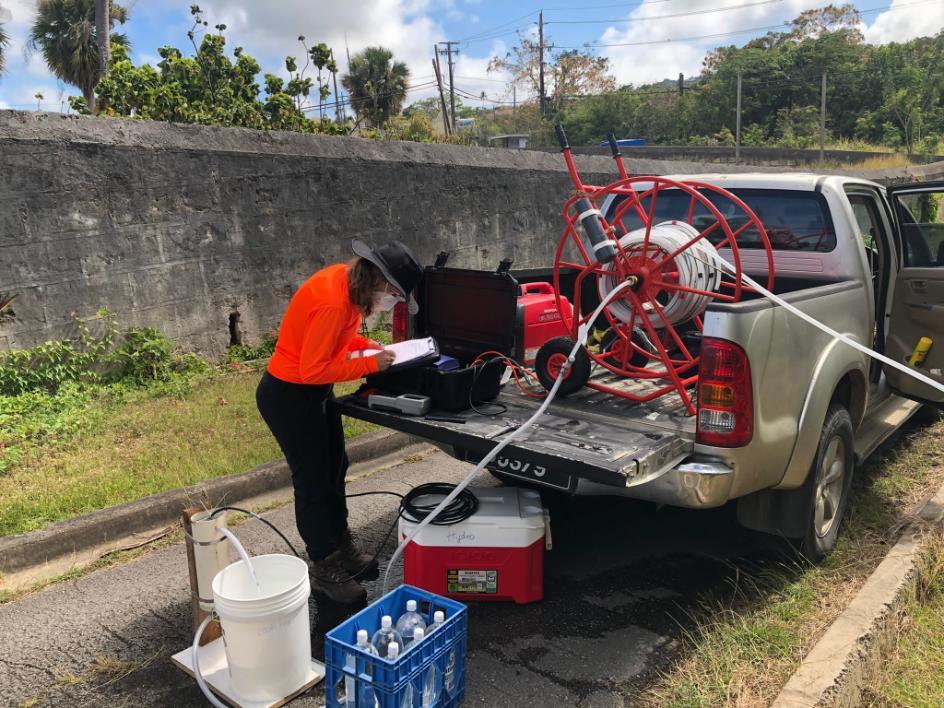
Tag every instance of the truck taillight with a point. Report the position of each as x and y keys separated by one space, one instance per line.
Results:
x=401 y=321
x=725 y=399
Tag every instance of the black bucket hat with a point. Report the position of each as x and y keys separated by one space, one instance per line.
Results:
x=398 y=265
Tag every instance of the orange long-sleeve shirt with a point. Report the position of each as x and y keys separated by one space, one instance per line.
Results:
x=318 y=333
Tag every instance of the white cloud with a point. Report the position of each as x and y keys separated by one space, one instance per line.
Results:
x=646 y=63
x=901 y=23
x=403 y=26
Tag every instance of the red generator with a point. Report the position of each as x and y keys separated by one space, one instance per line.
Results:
x=539 y=320
x=495 y=554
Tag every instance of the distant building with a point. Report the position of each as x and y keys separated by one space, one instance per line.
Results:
x=515 y=141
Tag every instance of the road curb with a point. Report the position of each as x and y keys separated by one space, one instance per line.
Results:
x=74 y=537
x=841 y=663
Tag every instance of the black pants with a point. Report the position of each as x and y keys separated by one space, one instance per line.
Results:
x=308 y=429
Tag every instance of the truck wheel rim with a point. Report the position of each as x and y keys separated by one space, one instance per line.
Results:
x=829 y=484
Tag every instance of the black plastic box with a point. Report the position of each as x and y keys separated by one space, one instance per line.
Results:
x=469 y=313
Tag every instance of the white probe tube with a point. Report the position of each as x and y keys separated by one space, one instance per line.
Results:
x=582 y=334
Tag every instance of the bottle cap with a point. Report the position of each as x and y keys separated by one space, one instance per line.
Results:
x=393 y=650
x=386 y=622
x=439 y=617
x=418 y=634
x=362 y=636
x=411 y=605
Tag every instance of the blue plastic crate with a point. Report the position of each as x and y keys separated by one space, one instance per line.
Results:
x=355 y=678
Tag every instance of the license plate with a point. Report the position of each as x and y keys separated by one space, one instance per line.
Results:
x=532 y=472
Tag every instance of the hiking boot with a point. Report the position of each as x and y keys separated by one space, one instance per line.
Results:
x=354 y=560
x=330 y=579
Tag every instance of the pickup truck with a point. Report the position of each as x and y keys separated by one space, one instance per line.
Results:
x=865 y=260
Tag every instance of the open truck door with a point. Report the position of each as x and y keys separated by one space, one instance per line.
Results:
x=917 y=314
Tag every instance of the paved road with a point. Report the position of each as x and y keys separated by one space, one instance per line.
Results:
x=621 y=584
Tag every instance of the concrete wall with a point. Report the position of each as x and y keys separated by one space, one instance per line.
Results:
x=175 y=226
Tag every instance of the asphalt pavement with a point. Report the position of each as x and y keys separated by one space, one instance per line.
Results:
x=622 y=584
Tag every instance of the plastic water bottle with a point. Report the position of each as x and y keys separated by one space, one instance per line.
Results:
x=385 y=636
x=409 y=620
x=406 y=701
x=362 y=643
x=367 y=698
x=449 y=673
x=393 y=651
x=431 y=687
x=418 y=635
x=438 y=618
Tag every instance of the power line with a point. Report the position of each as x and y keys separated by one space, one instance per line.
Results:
x=650 y=18
x=481 y=34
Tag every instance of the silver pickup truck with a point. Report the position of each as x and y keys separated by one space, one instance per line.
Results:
x=865 y=260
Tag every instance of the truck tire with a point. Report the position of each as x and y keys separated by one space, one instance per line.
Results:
x=826 y=489
x=552 y=356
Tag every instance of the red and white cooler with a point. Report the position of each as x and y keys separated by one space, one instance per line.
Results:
x=496 y=554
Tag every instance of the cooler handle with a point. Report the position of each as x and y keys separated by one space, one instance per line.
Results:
x=537 y=289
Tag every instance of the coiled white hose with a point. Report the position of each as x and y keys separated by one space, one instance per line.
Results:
x=695 y=265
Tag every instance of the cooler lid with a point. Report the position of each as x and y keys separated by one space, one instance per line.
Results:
x=508 y=517
x=469 y=311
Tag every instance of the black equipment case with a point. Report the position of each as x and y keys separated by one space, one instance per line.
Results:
x=468 y=313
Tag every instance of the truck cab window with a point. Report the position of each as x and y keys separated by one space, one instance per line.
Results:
x=922 y=228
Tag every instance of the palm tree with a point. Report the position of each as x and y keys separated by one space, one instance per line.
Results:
x=64 y=32
x=102 y=27
x=377 y=84
x=4 y=41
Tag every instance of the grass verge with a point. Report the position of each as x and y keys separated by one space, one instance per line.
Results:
x=121 y=446
x=746 y=643
x=912 y=675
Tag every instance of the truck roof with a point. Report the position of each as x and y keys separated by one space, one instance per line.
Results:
x=801 y=181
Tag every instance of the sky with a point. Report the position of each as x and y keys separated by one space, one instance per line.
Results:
x=645 y=40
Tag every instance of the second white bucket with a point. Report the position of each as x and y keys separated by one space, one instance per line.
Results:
x=266 y=629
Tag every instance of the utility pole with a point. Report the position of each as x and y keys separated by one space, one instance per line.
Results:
x=822 y=121
x=449 y=51
x=737 y=137
x=514 y=108
x=337 y=99
x=681 y=84
x=442 y=99
x=541 y=60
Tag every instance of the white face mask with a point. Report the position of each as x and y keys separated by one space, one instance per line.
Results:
x=384 y=301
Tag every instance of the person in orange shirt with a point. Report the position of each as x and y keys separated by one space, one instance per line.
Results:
x=318 y=346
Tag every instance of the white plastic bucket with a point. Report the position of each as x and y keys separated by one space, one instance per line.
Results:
x=266 y=634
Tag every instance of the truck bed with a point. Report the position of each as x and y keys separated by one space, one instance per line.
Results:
x=589 y=435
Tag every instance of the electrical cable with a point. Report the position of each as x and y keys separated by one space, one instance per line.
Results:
x=460 y=509
x=256 y=516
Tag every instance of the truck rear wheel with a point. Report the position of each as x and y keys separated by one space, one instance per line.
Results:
x=826 y=490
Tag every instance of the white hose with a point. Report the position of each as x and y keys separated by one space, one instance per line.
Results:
x=582 y=334
x=694 y=265
x=197 y=674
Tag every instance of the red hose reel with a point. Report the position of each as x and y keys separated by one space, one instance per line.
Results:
x=651 y=330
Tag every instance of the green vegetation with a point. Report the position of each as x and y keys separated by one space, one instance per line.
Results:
x=210 y=88
x=64 y=33
x=101 y=419
x=4 y=41
x=912 y=676
x=888 y=95
x=377 y=85
x=747 y=643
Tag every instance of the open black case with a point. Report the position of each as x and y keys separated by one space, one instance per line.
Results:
x=468 y=313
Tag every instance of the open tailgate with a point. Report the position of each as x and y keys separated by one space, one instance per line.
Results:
x=588 y=436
